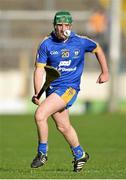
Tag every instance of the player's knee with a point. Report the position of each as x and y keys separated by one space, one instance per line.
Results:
x=39 y=116
x=63 y=129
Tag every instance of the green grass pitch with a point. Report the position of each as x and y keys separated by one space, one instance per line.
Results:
x=103 y=136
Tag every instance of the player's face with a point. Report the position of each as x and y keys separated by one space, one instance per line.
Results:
x=60 y=28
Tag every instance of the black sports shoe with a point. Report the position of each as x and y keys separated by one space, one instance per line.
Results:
x=39 y=160
x=78 y=164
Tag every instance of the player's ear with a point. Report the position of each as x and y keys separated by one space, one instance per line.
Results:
x=54 y=27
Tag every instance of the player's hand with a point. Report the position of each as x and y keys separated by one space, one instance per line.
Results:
x=103 y=77
x=35 y=100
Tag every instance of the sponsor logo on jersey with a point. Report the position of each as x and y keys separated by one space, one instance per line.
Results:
x=64 y=66
x=54 y=52
x=65 y=63
x=63 y=69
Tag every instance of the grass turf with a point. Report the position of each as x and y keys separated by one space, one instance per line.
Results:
x=102 y=136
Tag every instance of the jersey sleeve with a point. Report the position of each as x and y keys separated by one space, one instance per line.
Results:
x=41 y=56
x=90 y=45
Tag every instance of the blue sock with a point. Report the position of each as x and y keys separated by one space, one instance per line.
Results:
x=78 y=152
x=43 y=147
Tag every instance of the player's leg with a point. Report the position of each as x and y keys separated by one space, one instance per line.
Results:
x=64 y=126
x=42 y=113
x=50 y=105
x=61 y=118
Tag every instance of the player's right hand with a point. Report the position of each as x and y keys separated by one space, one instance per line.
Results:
x=35 y=100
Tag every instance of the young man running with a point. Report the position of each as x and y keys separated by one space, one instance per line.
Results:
x=64 y=50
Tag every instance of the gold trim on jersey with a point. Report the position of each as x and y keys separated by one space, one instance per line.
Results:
x=41 y=65
x=96 y=49
x=86 y=37
x=68 y=95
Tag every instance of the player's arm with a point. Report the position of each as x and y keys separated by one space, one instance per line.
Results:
x=41 y=58
x=92 y=46
x=37 y=80
x=104 y=75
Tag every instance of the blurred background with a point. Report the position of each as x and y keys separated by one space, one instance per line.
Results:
x=24 y=23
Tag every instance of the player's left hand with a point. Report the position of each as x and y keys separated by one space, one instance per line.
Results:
x=103 y=77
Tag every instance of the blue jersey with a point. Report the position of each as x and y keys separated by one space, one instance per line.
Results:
x=66 y=56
